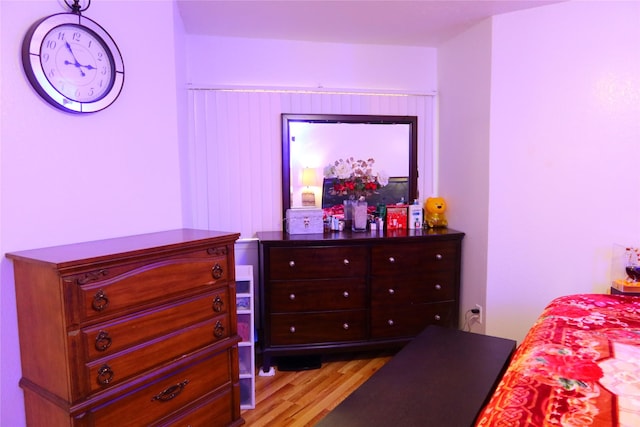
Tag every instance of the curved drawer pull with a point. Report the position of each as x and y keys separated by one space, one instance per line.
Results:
x=100 y=301
x=345 y=261
x=218 y=330
x=438 y=257
x=392 y=291
x=438 y=286
x=171 y=392
x=292 y=263
x=103 y=341
x=218 y=304
x=392 y=259
x=345 y=294
x=105 y=374
x=217 y=271
x=292 y=329
x=437 y=317
x=390 y=322
x=292 y=296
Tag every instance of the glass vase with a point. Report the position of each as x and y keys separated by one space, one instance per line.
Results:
x=359 y=220
x=348 y=212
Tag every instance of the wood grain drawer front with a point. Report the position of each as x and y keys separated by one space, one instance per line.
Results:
x=307 y=328
x=167 y=394
x=409 y=320
x=317 y=295
x=401 y=290
x=413 y=258
x=156 y=282
x=215 y=412
x=110 y=337
x=313 y=262
x=124 y=365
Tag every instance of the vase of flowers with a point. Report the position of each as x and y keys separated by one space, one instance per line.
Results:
x=355 y=179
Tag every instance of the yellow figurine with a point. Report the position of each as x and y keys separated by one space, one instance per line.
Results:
x=434 y=208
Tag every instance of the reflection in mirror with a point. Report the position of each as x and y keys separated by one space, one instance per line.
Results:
x=312 y=142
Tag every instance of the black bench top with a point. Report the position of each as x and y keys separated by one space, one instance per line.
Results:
x=442 y=378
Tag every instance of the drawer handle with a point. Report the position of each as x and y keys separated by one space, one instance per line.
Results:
x=292 y=296
x=392 y=259
x=437 y=317
x=100 y=301
x=392 y=291
x=171 y=392
x=390 y=322
x=292 y=263
x=103 y=341
x=345 y=294
x=345 y=326
x=292 y=329
x=345 y=261
x=438 y=287
x=105 y=374
x=218 y=304
x=218 y=330
x=216 y=271
x=438 y=257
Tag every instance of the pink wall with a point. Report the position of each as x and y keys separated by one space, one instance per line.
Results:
x=68 y=178
x=565 y=139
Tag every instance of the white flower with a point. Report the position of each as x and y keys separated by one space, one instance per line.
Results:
x=383 y=178
x=343 y=170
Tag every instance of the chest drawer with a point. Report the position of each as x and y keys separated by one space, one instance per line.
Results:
x=112 y=370
x=317 y=261
x=317 y=295
x=109 y=291
x=417 y=259
x=215 y=412
x=387 y=322
x=167 y=393
x=399 y=291
x=110 y=337
x=348 y=325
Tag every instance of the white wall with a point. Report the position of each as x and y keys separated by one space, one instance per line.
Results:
x=464 y=70
x=68 y=178
x=220 y=61
x=565 y=143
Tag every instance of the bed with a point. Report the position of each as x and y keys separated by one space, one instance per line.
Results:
x=579 y=365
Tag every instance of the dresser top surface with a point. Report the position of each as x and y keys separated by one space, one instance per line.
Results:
x=97 y=250
x=362 y=237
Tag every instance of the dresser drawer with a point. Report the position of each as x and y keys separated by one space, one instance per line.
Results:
x=317 y=261
x=317 y=295
x=410 y=320
x=402 y=290
x=107 y=291
x=114 y=369
x=110 y=337
x=306 y=328
x=214 y=412
x=415 y=259
x=167 y=394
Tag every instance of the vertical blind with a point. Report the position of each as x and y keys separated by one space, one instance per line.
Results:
x=234 y=150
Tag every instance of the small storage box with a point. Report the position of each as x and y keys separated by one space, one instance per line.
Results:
x=304 y=221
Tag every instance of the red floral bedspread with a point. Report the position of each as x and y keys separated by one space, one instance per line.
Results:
x=579 y=365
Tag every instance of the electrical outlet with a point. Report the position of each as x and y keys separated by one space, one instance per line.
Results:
x=479 y=308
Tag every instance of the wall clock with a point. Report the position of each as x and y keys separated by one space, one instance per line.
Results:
x=72 y=62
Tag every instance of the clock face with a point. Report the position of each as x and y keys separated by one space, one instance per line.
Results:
x=77 y=63
x=73 y=63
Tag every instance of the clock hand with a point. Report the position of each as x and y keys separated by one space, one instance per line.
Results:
x=76 y=63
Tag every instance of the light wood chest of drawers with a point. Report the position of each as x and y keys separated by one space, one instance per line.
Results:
x=355 y=291
x=135 y=331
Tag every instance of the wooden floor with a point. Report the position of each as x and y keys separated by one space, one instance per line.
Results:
x=302 y=398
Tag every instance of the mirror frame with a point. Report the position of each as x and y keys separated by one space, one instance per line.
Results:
x=412 y=155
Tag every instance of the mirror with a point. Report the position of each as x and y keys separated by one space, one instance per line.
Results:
x=310 y=142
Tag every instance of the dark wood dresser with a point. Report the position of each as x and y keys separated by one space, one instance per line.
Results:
x=355 y=291
x=139 y=330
